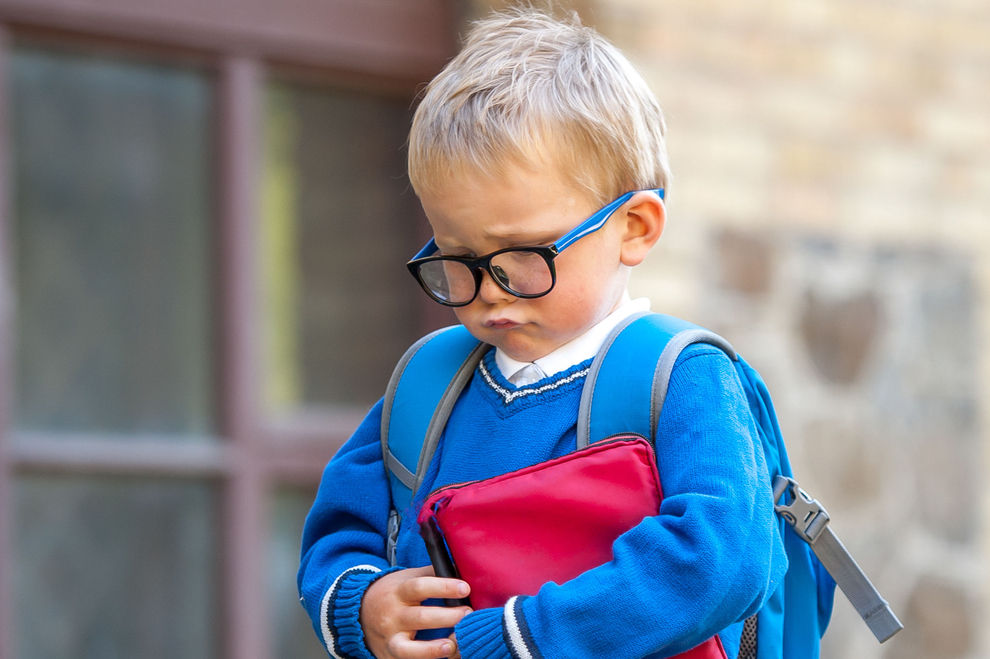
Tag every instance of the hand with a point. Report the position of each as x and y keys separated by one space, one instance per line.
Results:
x=456 y=654
x=392 y=613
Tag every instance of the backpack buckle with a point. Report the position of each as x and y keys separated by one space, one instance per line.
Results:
x=808 y=517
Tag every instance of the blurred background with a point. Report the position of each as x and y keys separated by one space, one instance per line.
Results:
x=204 y=218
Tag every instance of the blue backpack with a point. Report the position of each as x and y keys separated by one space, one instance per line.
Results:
x=636 y=359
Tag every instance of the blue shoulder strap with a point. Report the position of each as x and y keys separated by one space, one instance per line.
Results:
x=422 y=391
x=631 y=372
x=630 y=375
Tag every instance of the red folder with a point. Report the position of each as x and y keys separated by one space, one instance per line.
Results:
x=510 y=534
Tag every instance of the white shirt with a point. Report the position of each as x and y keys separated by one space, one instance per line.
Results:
x=573 y=352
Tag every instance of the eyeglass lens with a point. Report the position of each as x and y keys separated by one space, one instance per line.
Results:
x=517 y=271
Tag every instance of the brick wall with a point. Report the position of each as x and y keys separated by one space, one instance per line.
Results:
x=830 y=214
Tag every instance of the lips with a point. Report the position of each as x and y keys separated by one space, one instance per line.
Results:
x=501 y=324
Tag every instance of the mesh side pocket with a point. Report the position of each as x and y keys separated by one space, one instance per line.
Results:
x=747 y=644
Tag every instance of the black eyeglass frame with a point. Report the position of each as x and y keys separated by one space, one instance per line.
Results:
x=549 y=252
x=484 y=263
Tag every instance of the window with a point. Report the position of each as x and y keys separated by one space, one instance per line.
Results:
x=204 y=254
x=337 y=221
x=112 y=164
x=113 y=566
x=111 y=191
x=338 y=218
x=293 y=635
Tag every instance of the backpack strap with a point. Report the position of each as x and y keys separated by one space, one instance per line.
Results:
x=810 y=522
x=420 y=396
x=631 y=373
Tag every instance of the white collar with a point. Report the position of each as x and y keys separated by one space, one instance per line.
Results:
x=573 y=352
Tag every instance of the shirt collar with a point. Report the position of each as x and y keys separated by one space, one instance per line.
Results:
x=574 y=351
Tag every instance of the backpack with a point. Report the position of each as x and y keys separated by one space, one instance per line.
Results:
x=637 y=359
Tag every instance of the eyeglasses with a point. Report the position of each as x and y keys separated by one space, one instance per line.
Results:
x=525 y=272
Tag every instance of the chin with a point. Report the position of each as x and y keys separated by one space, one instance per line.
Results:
x=524 y=351
x=519 y=350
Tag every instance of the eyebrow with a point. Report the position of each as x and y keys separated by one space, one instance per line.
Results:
x=521 y=239
x=507 y=240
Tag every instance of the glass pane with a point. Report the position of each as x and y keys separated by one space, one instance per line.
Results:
x=294 y=635
x=338 y=225
x=112 y=203
x=114 y=568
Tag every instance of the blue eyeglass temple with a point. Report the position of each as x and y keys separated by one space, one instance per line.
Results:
x=590 y=225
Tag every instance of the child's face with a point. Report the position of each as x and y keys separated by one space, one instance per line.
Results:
x=475 y=215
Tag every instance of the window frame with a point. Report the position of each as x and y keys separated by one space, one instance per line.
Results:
x=386 y=47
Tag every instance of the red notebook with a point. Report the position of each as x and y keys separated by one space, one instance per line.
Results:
x=510 y=534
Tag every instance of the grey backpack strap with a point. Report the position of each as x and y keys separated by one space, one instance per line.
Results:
x=442 y=412
x=420 y=396
x=393 y=465
x=811 y=523
x=665 y=365
x=422 y=390
x=591 y=381
x=625 y=391
x=627 y=383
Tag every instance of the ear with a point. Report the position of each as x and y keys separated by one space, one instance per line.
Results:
x=645 y=216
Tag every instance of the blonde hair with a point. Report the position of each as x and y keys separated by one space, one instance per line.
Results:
x=529 y=89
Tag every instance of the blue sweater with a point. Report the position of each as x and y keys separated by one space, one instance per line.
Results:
x=706 y=562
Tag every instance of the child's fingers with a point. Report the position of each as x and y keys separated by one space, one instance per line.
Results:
x=425 y=571
x=431 y=617
x=405 y=647
x=417 y=589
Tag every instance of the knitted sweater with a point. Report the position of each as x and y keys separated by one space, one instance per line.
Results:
x=706 y=562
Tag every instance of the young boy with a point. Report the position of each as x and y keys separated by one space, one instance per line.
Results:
x=532 y=128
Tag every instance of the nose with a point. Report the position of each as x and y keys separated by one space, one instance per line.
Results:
x=489 y=291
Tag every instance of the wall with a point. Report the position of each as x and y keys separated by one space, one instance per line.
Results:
x=829 y=216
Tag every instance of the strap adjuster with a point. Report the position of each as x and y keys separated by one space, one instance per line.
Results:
x=811 y=523
x=808 y=517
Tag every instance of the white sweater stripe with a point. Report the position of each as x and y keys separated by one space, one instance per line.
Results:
x=516 y=642
x=329 y=638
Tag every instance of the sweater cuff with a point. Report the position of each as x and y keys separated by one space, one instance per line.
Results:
x=341 y=612
x=496 y=633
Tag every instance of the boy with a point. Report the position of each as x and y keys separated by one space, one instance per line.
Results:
x=533 y=127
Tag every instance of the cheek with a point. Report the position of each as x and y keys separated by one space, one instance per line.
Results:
x=472 y=317
x=580 y=281
x=570 y=306
x=463 y=315
x=586 y=293
x=589 y=260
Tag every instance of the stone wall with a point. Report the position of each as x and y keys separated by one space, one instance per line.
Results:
x=829 y=215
